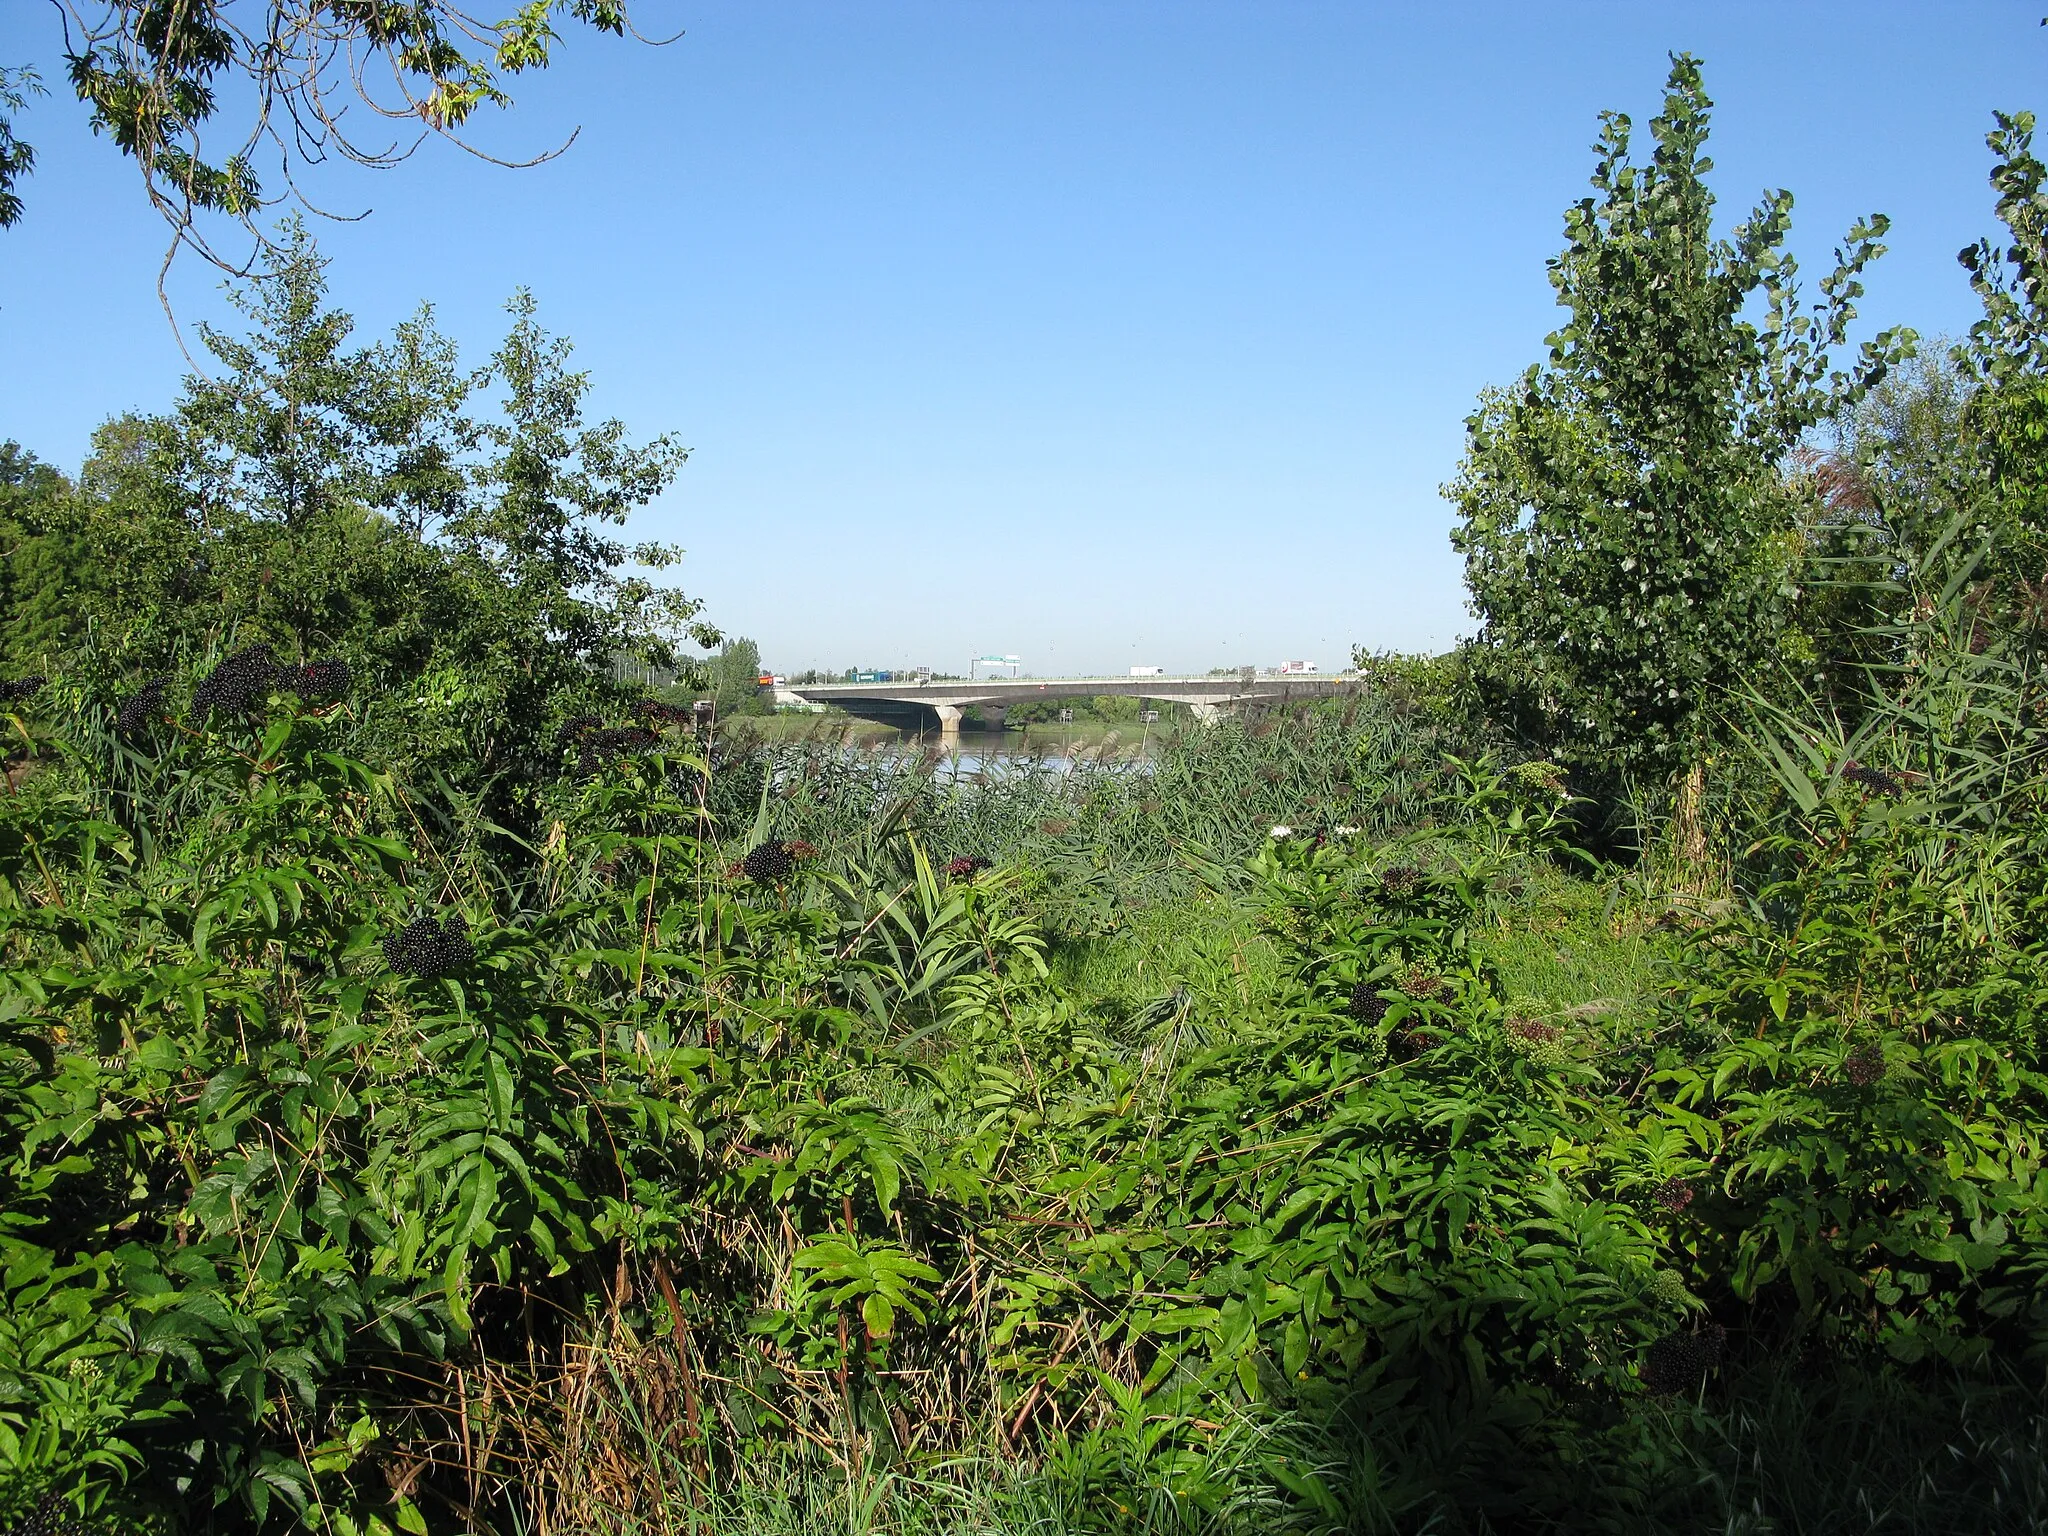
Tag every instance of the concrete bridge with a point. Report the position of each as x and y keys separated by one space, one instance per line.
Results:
x=902 y=703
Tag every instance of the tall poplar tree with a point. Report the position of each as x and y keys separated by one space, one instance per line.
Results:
x=2007 y=358
x=1627 y=520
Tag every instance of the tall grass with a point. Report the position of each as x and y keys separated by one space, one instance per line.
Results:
x=1109 y=830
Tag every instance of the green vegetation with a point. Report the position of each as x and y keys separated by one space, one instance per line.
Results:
x=1097 y=709
x=153 y=79
x=1630 y=537
x=733 y=675
x=354 y=504
x=442 y=1090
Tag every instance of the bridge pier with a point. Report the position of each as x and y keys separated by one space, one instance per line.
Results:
x=992 y=716
x=1207 y=714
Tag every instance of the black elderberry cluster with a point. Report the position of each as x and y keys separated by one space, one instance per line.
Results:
x=317 y=681
x=51 y=1517
x=1679 y=1362
x=1407 y=1043
x=1876 y=780
x=1366 y=1003
x=21 y=688
x=596 y=744
x=239 y=682
x=145 y=706
x=574 y=730
x=965 y=868
x=771 y=863
x=658 y=713
x=602 y=747
x=1864 y=1066
x=427 y=948
x=1674 y=1195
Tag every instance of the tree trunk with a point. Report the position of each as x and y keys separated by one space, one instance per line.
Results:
x=1689 y=831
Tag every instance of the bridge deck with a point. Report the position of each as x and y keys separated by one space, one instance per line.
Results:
x=1023 y=688
x=946 y=698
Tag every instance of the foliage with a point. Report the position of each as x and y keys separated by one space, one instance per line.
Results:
x=1290 y=1130
x=1624 y=522
x=339 y=501
x=1437 y=686
x=2007 y=354
x=43 y=565
x=154 y=80
x=734 y=674
x=844 y=1156
x=17 y=160
x=1115 y=709
x=1911 y=459
x=1854 y=1084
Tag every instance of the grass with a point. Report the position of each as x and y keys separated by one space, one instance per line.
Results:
x=1780 y=1451
x=1845 y=1452
x=1201 y=946
x=1577 y=945
x=1581 y=947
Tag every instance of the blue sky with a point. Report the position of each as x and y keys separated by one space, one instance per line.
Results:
x=1102 y=333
